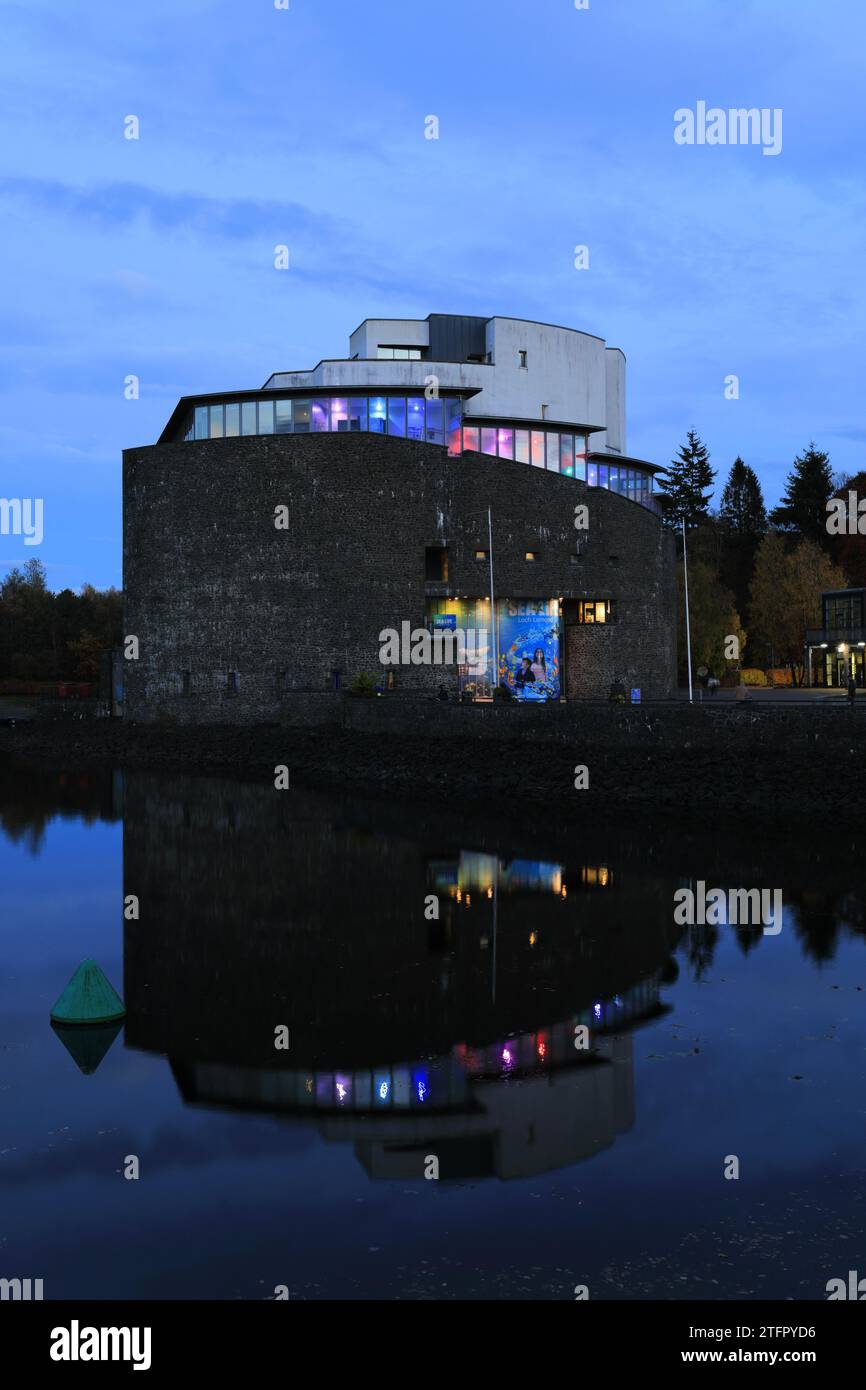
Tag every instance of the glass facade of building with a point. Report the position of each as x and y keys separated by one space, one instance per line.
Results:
x=435 y=421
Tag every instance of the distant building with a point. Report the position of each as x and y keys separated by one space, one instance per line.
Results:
x=385 y=465
x=837 y=648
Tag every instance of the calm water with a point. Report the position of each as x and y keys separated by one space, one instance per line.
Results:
x=411 y=1038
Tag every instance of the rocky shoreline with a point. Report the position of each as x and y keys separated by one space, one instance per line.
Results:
x=710 y=769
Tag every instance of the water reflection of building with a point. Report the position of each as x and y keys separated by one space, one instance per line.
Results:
x=525 y=1105
x=260 y=911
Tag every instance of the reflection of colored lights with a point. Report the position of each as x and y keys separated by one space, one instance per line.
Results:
x=309 y=1085
x=459 y=896
x=342 y=1091
x=596 y=1009
x=564 y=891
x=383 y=1091
x=507 y=1059
x=422 y=1091
x=468 y=899
x=490 y=892
x=532 y=938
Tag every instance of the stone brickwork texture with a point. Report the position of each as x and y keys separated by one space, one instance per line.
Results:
x=212 y=587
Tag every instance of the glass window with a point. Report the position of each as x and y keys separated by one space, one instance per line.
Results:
x=566 y=455
x=435 y=426
x=266 y=417
x=339 y=415
x=593 y=612
x=579 y=444
x=283 y=417
x=537 y=448
x=506 y=444
x=319 y=413
x=521 y=446
x=613 y=478
x=488 y=441
x=415 y=417
x=216 y=422
x=233 y=420
x=248 y=417
x=385 y=354
x=602 y=475
x=397 y=416
x=378 y=415
x=580 y=469
x=553 y=451
x=470 y=437
x=201 y=422
x=357 y=414
x=592 y=474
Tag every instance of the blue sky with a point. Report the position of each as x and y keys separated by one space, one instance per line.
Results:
x=306 y=127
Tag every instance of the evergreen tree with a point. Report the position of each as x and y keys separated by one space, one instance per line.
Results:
x=742 y=512
x=803 y=508
x=687 y=486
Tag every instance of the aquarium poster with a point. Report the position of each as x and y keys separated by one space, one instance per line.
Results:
x=529 y=650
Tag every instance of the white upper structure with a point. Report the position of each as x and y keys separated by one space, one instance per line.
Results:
x=521 y=371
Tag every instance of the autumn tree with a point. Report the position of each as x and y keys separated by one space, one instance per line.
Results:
x=786 y=599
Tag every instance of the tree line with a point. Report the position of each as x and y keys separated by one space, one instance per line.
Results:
x=53 y=637
x=756 y=574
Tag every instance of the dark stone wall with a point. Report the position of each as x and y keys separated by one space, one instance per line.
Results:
x=212 y=586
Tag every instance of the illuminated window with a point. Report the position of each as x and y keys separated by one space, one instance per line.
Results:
x=532 y=555
x=537 y=449
x=521 y=446
x=415 y=417
x=553 y=452
x=470 y=438
x=435 y=423
x=397 y=416
x=482 y=555
x=593 y=611
x=488 y=441
x=567 y=455
x=506 y=444
x=339 y=415
x=378 y=415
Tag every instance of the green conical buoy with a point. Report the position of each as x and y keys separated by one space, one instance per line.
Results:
x=87 y=1045
x=88 y=998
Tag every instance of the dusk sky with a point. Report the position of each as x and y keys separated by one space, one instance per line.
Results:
x=305 y=126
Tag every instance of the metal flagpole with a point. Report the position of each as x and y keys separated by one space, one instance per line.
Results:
x=688 y=629
x=492 y=603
